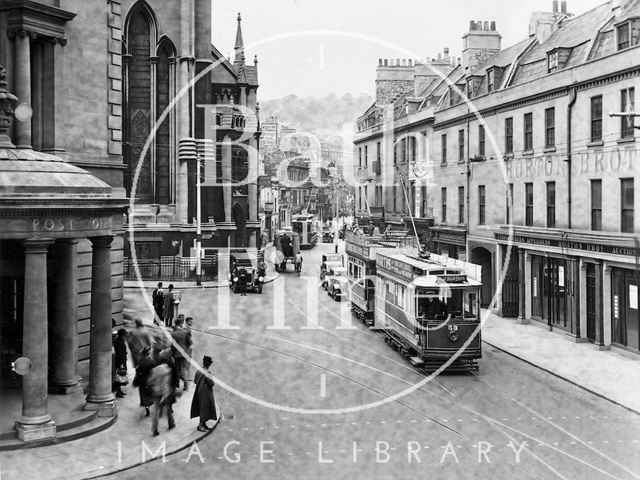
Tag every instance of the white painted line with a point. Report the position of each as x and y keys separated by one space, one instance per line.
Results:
x=323 y=385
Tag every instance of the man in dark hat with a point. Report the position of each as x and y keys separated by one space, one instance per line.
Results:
x=157 y=298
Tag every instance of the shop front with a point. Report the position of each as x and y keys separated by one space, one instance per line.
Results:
x=448 y=241
x=582 y=283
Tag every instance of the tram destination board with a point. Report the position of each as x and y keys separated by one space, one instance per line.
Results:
x=395 y=267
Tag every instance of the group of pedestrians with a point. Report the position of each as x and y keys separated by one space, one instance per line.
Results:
x=160 y=363
x=165 y=305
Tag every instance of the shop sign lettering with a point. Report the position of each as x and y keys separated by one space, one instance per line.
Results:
x=583 y=163
x=568 y=244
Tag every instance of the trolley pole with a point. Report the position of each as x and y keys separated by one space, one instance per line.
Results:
x=198 y=224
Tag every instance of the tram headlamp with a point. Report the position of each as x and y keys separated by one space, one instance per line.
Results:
x=261 y=279
x=235 y=279
x=453 y=336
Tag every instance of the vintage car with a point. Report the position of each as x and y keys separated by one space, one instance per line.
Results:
x=337 y=283
x=329 y=261
x=255 y=272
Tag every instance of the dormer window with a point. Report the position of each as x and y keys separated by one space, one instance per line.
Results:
x=552 y=61
x=623 y=36
x=627 y=33
x=470 y=87
x=490 y=80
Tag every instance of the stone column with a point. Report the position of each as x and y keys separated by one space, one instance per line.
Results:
x=64 y=334
x=226 y=179
x=35 y=422
x=522 y=314
x=22 y=86
x=526 y=281
x=100 y=396
x=582 y=308
x=603 y=304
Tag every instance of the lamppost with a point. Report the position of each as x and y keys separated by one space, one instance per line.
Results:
x=198 y=223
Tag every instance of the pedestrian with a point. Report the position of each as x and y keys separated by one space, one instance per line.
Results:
x=168 y=307
x=157 y=298
x=242 y=281
x=138 y=338
x=120 y=362
x=162 y=390
x=203 y=404
x=141 y=380
x=181 y=352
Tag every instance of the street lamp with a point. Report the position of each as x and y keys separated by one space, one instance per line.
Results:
x=198 y=223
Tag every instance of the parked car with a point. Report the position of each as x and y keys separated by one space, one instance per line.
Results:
x=337 y=283
x=329 y=261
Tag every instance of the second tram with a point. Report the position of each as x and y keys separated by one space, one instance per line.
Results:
x=429 y=309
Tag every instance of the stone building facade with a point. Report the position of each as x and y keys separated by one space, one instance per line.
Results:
x=532 y=179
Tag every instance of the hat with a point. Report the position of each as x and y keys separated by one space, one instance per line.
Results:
x=138 y=321
x=207 y=359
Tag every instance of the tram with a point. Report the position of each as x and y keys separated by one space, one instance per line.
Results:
x=305 y=226
x=361 y=268
x=429 y=309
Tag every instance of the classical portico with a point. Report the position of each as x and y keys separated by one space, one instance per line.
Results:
x=46 y=207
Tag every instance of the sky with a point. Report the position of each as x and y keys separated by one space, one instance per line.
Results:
x=318 y=47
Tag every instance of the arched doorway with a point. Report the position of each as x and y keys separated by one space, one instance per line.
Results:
x=481 y=256
x=240 y=219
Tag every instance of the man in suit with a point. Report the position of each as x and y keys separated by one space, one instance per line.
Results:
x=182 y=338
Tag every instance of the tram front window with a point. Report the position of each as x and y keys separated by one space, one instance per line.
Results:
x=439 y=304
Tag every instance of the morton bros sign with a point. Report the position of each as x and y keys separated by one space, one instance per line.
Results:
x=569 y=244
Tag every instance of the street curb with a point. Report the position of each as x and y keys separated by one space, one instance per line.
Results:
x=169 y=453
x=270 y=279
x=558 y=375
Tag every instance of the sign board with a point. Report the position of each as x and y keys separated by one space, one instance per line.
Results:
x=568 y=244
x=395 y=267
x=453 y=278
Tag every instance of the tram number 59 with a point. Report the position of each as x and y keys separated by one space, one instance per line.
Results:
x=452 y=328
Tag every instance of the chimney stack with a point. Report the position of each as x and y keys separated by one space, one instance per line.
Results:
x=479 y=43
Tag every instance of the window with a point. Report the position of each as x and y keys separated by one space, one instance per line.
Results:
x=528 y=196
x=443 y=196
x=626 y=203
x=596 y=118
x=460 y=204
x=623 y=36
x=395 y=154
x=550 y=127
x=627 y=105
x=528 y=132
x=551 y=204
x=359 y=156
x=552 y=61
x=359 y=198
x=378 y=151
x=481 y=140
x=460 y=145
x=596 y=205
x=366 y=155
x=508 y=135
x=481 y=205
x=444 y=149
x=509 y=202
x=490 y=80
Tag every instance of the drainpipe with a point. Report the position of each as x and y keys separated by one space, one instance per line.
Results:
x=468 y=162
x=572 y=101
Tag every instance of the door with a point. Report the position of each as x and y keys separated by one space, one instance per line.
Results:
x=511 y=284
x=555 y=280
x=591 y=302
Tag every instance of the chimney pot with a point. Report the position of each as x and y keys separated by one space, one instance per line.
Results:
x=486 y=25
x=386 y=62
x=563 y=6
x=439 y=56
x=472 y=25
x=493 y=26
x=555 y=6
x=397 y=62
x=379 y=62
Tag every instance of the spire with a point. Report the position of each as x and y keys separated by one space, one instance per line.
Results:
x=239 y=48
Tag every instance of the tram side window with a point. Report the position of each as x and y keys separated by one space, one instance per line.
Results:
x=470 y=304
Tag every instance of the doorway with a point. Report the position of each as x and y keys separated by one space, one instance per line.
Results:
x=591 y=302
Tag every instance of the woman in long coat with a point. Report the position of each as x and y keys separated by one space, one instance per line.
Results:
x=141 y=379
x=203 y=403
x=120 y=359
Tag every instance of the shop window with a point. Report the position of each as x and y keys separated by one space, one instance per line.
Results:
x=596 y=118
x=596 y=205
x=508 y=135
x=627 y=205
x=360 y=157
x=528 y=195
